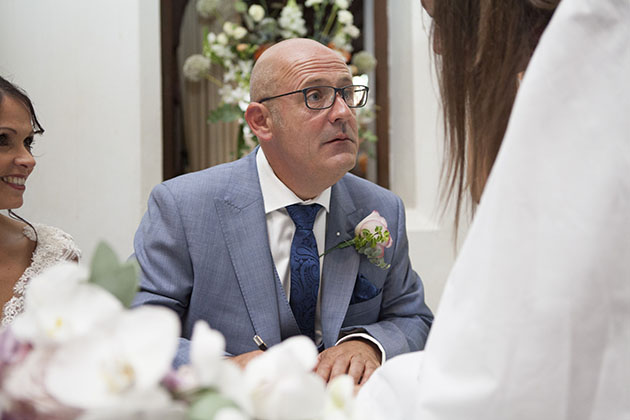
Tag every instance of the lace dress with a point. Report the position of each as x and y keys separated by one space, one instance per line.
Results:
x=53 y=246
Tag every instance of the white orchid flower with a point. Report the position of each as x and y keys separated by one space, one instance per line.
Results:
x=339 y=402
x=118 y=366
x=60 y=305
x=207 y=349
x=230 y=413
x=211 y=368
x=24 y=383
x=281 y=383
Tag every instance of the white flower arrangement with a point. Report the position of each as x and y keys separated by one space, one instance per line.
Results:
x=78 y=352
x=237 y=46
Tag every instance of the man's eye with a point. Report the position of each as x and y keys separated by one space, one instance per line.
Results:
x=3 y=140
x=314 y=95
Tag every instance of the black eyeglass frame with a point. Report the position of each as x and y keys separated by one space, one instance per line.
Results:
x=337 y=90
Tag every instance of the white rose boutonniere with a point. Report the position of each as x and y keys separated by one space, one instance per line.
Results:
x=371 y=237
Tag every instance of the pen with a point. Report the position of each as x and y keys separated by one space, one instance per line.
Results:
x=260 y=343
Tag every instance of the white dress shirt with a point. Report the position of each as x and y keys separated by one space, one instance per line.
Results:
x=280 y=229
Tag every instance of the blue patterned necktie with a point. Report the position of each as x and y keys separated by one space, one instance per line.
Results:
x=304 y=267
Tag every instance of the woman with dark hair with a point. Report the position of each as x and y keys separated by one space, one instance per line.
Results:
x=534 y=321
x=25 y=250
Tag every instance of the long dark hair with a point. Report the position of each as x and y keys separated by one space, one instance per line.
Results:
x=483 y=45
x=10 y=90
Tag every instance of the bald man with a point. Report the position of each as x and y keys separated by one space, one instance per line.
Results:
x=221 y=245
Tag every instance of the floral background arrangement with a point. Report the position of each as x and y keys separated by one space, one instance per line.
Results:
x=78 y=352
x=237 y=47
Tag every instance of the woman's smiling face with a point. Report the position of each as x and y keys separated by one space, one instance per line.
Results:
x=16 y=160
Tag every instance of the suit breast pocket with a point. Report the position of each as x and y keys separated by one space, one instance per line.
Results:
x=363 y=313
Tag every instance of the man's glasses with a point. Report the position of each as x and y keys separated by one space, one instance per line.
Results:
x=323 y=97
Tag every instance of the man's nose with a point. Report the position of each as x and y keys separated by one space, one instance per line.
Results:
x=340 y=109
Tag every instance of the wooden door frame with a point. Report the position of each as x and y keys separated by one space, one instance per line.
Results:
x=381 y=53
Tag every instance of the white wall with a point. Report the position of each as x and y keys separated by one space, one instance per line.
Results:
x=415 y=143
x=92 y=69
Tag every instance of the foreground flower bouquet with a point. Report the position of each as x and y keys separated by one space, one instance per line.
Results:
x=78 y=352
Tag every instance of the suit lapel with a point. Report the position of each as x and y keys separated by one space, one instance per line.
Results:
x=341 y=266
x=242 y=216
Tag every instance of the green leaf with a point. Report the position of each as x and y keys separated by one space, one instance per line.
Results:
x=121 y=280
x=207 y=405
x=226 y=112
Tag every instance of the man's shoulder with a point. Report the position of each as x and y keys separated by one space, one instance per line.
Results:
x=209 y=180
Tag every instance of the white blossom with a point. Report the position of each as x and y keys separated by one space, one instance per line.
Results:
x=196 y=67
x=239 y=32
x=342 y=4
x=281 y=383
x=345 y=17
x=339 y=402
x=352 y=30
x=118 y=365
x=211 y=368
x=257 y=12
x=291 y=21
x=245 y=66
x=364 y=61
x=228 y=28
x=229 y=74
x=221 y=50
x=341 y=42
x=60 y=305
x=222 y=38
x=230 y=413
x=310 y=3
x=234 y=95
x=24 y=382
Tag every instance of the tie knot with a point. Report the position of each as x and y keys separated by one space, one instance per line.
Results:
x=303 y=216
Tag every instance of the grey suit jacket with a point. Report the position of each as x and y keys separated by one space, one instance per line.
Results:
x=204 y=252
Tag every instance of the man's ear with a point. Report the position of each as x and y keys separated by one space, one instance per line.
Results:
x=259 y=119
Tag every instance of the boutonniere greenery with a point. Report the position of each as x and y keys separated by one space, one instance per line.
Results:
x=371 y=237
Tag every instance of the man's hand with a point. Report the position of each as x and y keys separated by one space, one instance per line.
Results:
x=243 y=359
x=358 y=358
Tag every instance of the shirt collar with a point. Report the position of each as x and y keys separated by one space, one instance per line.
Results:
x=276 y=195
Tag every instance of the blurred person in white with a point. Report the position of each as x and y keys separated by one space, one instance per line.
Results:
x=25 y=249
x=534 y=322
